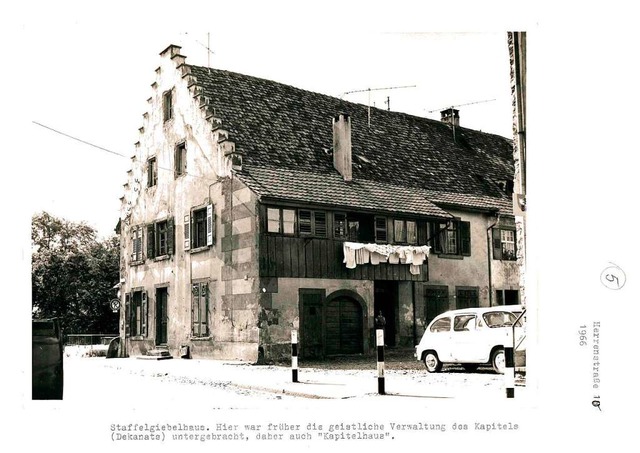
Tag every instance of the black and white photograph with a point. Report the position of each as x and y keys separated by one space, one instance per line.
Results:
x=314 y=225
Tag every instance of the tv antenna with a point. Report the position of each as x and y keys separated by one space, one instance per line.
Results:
x=206 y=46
x=369 y=90
x=448 y=107
x=451 y=108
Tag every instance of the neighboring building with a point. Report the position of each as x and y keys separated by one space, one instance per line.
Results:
x=517 y=42
x=253 y=208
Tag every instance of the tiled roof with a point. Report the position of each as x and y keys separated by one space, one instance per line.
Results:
x=278 y=126
x=463 y=200
x=330 y=189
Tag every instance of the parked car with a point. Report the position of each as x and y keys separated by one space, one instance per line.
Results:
x=471 y=337
x=47 y=377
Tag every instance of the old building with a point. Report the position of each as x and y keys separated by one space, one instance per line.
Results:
x=253 y=208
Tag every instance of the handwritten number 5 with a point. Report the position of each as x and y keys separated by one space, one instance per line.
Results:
x=613 y=277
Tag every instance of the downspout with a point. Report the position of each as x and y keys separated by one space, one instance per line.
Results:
x=413 y=302
x=489 y=255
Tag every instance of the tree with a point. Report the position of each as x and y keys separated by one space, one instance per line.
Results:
x=73 y=274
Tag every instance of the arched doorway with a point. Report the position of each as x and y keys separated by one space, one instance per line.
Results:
x=343 y=324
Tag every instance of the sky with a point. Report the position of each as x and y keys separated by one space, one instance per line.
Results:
x=97 y=83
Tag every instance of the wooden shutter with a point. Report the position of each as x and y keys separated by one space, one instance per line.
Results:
x=304 y=222
x=151 y=241
x=143 y=315
x=127 y=315
x=497 y=244
x=170 y=236
x=187 y=232
x=381 y=229
x=209 y=224
x=195 y=294
x=320 y=223
x=465 y=238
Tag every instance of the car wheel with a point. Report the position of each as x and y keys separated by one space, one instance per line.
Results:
x=498 y=361
x=470 y=367
x=432 y=362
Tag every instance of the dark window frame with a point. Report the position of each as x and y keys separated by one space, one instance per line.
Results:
x=152 y=171
x=281 y=220
x=458 y=230
x=138 y=313
x=167 y=105
x=180 y=160
x=404 y=228
x=499 y=251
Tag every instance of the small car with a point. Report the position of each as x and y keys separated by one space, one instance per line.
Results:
x=47 y=371
x=472 y=337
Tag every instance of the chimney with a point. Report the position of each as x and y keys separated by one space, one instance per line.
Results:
x=451 y=116
x=342 y=145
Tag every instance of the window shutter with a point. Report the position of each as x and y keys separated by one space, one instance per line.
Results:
x=204 y=309
x=145 y=309
x=209 y=224
x=304 y=222
x=187 y=232
x=151 y=241
x=320 y=223
x=127 y=315
x=195 y=294
x=465 y=238
x=381 y=229
x=497 y=244
x=170 y=236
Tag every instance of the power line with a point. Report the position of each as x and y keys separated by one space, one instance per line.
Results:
x=78 y=139
x=105 y=149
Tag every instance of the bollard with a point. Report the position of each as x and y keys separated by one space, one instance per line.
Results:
x=294 y=355
x=380 y=344
x=509 y=367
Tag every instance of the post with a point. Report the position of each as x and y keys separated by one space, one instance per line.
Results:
x=294 y=355
x=509 y=365
x=380 y=345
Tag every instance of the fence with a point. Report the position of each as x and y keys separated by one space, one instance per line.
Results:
x=89 y=339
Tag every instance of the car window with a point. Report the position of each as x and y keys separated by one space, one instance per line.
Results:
x=464 y=323
x=501 y=318
x=441 y=325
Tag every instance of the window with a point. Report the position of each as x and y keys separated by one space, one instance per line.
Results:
x=466 y=297
x=451 y=238
x=199 y=309
x=501 y=319
x=381 y=229
x=167 y=105
x=136 y=244
x=405 y=231
x=152 y=172
x=160 y=238
x=180 y=162
x=504 y=244
x=199 y=228
x=507 y=297
x=340 y=225
x=312 y=223
x=464 y=323
x=441 y=325
x=345 y=228
x=281 y=221
x=138 y=312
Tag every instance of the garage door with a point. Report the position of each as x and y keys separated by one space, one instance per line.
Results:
x=343 y=326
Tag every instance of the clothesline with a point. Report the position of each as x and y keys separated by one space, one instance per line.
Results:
x=357 y=253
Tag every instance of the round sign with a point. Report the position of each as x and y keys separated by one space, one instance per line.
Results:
x=115 y=304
